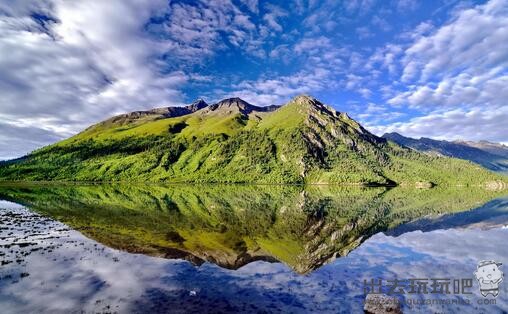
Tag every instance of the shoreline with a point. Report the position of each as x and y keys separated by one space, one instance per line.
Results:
x=413 y=185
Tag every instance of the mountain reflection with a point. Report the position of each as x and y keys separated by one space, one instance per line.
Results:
x=233 y=225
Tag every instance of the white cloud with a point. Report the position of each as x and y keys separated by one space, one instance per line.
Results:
x=278 y=90
x=455 y=76
x=253 y=5
x=365 y=92
x=373 y=114
x=196 y=29
x=360 y=7
x=381 y=23
x=322 y=63
x=271 y=18
x=312 y=45
x=462 y=90
x=406 y=5
x=364 y=32
x=387 y=58
x=473 y=41
x=474 y=123
x=83 y=61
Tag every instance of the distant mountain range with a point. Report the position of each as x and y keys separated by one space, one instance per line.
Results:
x=232 y=141
x=489 y=155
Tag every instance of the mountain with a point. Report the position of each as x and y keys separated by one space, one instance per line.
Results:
x=230 y=141
x=493 y=148
x=153 y=114
x=489 y=155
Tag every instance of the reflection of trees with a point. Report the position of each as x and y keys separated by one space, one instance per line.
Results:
x=232 y=225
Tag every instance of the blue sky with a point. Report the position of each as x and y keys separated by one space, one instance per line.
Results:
x=423 y=68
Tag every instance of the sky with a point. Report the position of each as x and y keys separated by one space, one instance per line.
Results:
x=421 y=68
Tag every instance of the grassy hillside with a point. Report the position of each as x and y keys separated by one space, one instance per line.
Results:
x=232 y=141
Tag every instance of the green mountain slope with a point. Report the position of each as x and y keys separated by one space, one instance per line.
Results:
x=303 y=141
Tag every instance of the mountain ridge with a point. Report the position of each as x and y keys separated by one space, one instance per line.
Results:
x=242 y=105
x=489 y=155
x=493 y=148
x=232 y=141
x=163 y=112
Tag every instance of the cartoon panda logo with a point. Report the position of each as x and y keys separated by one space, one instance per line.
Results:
x=489 y=276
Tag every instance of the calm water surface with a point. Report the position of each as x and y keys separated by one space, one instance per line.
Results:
x=288 y=249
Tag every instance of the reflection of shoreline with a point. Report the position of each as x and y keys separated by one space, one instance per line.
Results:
x=233 y=225
x=493 y=214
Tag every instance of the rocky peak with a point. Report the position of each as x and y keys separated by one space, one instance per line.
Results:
x=197 y=105
x=394 y=136
x=239 y=104
x=305 y=99
x=308 y=102
x=233 y=102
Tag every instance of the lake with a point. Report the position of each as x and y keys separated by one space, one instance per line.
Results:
x=133 y=248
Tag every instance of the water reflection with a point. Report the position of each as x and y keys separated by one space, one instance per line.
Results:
x=233 y=225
